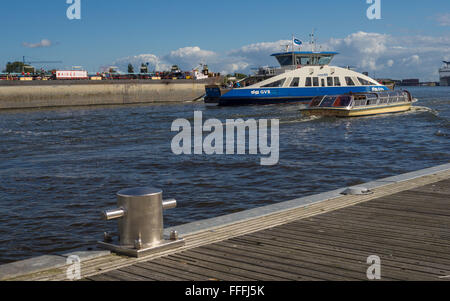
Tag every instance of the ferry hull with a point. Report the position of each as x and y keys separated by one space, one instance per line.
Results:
x=338 y=112
x=262 y=96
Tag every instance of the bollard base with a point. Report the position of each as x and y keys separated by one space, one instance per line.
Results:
x=146 y=251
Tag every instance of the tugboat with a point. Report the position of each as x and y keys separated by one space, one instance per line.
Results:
x=302 y=75
x=357 y=105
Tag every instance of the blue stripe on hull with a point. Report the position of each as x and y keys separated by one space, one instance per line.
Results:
x=261 y=101
x=279 y=95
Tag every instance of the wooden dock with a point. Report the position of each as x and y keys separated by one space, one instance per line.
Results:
x=405 y=223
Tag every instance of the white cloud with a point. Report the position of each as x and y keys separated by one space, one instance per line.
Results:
x=235 y=67
x=42 y=43
x=190 y=57
x=443 y=19
x=395 y=57
x=155 y=63
x=413 y=59
x=382 y=54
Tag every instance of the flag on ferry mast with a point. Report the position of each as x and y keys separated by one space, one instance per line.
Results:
x=297 y=42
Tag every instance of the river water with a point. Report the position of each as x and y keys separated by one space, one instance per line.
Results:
x=59 y=168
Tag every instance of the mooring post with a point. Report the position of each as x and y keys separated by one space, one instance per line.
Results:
x=140 y=221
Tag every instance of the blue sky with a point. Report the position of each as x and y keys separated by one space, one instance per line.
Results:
x=112 y=31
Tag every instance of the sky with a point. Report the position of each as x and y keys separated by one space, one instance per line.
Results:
x=409 y=41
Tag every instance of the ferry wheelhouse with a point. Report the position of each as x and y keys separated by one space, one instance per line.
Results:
x=301 y=76
x=355 y=105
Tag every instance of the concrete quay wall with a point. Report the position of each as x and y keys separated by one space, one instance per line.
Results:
x=108 y=93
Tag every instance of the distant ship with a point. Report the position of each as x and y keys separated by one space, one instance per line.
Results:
x=444 y=74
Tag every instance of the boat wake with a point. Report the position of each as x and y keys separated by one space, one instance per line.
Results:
x=302 y=119
x=420 y=109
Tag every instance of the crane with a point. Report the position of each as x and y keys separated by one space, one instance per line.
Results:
x=38 y=62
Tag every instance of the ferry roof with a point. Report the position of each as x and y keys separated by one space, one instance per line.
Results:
x=307 y=52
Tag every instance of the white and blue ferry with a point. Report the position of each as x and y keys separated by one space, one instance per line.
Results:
x=302 y=76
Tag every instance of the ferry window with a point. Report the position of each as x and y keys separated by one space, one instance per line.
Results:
x=322 y=81
x=349 y=81
x=308 y=82
x=360 y=102
x=342 y=101
x=316 y=101
x=329 y=81
x=328 y=101
x=364 y=82
x=315 y=81
x=337 y=82
x=295 y=82
x=305 y=60
x=276 y=84
x=372 y=101
x=324 y=60
x=285 y=60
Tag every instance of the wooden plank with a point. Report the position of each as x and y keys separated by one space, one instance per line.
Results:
x=442 y=187
x=212 y=275
x=420 y=197
x=400 y=222
x=343 y=251
x=103 y=277
x=239 y=267
x=350 y=246
x=329 y=226
x=384 y=223
x=414 y=238
x=413 y=210
x=353 y=261
x=218 y=268
x=150 y=274
x=436 y=220
x=302 y=264
x=158 y=265
x=125 y=276
x=350 y=269
x=367 y=240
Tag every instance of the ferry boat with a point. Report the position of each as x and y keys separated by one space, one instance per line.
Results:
x=301 y=76
x=361 y=104
x=444 y=74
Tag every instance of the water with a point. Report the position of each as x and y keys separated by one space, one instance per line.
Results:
x=60 y=168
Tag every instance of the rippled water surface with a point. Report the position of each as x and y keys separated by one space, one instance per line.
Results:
x=59 y=168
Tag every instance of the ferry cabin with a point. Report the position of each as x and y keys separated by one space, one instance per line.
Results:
x=302 y=76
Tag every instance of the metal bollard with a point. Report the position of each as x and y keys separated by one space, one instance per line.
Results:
x=140 y=221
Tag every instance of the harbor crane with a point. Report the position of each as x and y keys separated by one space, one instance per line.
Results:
x=37 y=62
